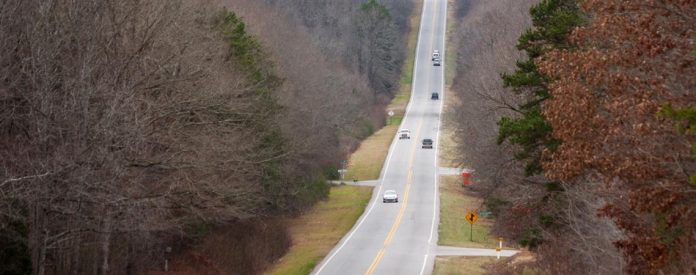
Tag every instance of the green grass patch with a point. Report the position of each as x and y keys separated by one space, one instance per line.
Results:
x=395 y=120
x=454 y=229
x=461 y=265
x=316 y=232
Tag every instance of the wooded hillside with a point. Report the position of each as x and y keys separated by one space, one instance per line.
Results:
x=368 y=37
x=596 y=135
x=616 y=99
x=133 y=126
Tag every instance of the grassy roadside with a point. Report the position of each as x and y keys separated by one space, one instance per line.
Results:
x=461 y=265
x=316 y=232
x=366 y=163
x=454 y=230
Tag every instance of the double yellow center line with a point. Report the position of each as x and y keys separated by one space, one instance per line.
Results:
x=402 y=209
x=409 y=180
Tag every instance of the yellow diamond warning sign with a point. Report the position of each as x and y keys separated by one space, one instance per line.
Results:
x=472 y=217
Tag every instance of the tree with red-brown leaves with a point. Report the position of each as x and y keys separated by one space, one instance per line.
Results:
x=630 y=62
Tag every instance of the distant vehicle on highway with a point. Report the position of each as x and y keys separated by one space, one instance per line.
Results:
x=435 y=96
x=390 y=196
x=404 y=134
x=427 y=143
x=436 y=55
x=436 y=62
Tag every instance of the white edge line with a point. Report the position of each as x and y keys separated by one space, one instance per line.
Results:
x=389 y=156
x=350 y=235
x=425 y=260
x=436 y=196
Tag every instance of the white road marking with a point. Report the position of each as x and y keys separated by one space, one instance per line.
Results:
x=364 y=217
x=425 y=260
x=389 y=156
x=437 y=136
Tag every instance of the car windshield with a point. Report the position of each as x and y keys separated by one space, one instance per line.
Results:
x=427 y=141
x=390 y=192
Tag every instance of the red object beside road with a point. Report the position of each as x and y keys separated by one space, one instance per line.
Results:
x=465 y=176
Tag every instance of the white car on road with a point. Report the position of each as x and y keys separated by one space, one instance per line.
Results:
x=436 y=55
x=390 y=196
x=404 y=134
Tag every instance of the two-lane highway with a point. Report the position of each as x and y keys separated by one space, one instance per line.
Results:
x=401 y=238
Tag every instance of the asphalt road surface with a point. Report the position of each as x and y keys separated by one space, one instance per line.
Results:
x=401 y=238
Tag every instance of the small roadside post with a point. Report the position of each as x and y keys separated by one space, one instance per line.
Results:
x=391 y=114
x=167 y=251
x=343 y=174
x=500 y=247
x=471 y=217
x=343 y=170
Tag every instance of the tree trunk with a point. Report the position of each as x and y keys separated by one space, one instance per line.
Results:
x=106 y=244
x=41 y=270
x=38 y=239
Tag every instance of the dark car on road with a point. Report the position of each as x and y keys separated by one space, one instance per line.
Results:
x=427 y=143
x=435 y=96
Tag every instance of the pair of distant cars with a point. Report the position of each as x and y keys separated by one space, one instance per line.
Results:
x=436 y=58
x=391 y=195
x=436 y=62
x=406 y=134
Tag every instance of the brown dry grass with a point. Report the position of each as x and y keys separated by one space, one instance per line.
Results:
x=366 y=163
x=316 y=232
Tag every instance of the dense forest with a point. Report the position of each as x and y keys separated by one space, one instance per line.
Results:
x=366 y=36
x=595 y=133
x=131 y=128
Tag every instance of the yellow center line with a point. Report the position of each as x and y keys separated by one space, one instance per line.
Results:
x=398 y=218
x=404 y=203
x=375 y=262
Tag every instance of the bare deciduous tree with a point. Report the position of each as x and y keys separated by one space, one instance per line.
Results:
x=121 y=120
